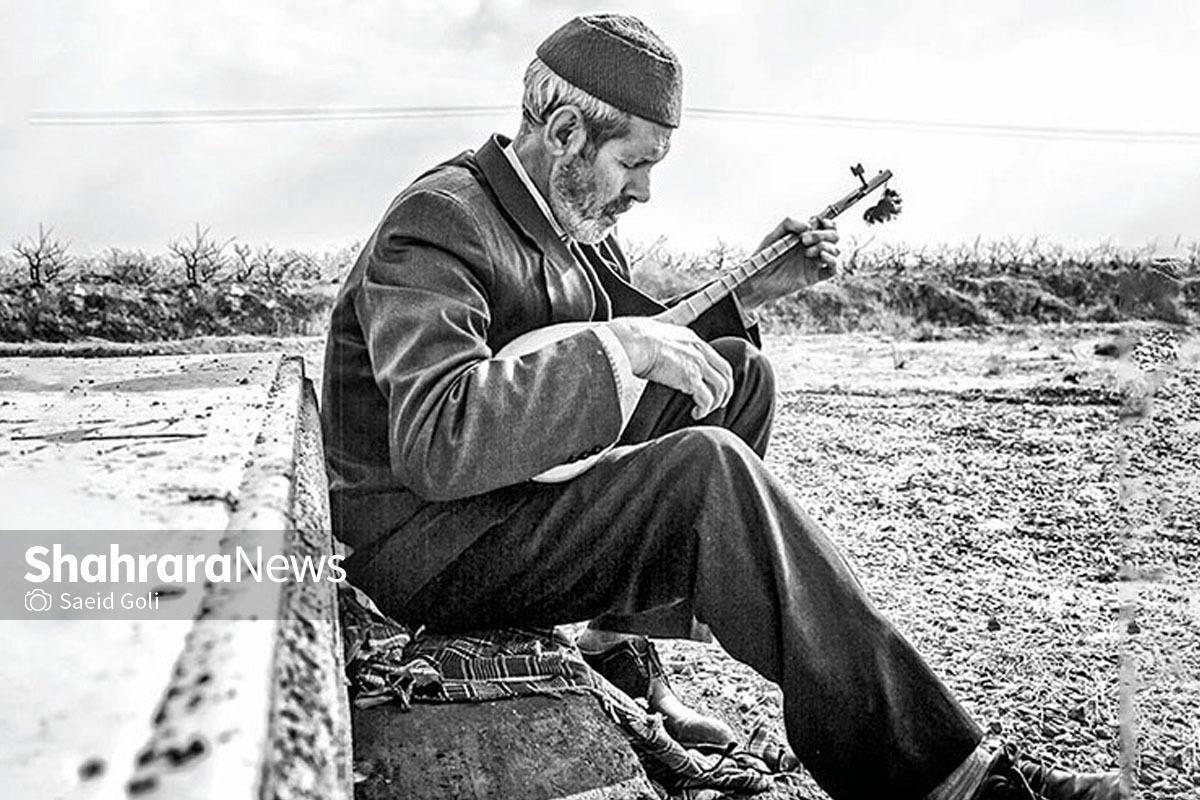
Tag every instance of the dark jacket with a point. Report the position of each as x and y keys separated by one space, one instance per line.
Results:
x=415 y=408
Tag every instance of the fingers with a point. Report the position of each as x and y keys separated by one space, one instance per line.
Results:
x=702 y=392
x=819 y=226
x=795 y=226
x=688 y=364
x=717 y=376
x=809 y=238
x=709 y=378
x=823 y=249
x=810 y=231
x=821 y=244
x=816 y=224
x=724 y=371
x=788 y=225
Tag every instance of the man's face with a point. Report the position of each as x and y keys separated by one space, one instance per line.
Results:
x=590 y=189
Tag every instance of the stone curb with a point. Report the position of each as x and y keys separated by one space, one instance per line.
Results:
x=102 y=348
x=256 y=704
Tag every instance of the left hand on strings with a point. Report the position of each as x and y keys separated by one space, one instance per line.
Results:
x=816 y=259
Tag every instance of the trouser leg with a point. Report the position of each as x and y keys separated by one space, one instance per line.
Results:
x=748 y=414
x=695 y=514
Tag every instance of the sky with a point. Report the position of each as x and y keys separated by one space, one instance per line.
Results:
x=1100 y=64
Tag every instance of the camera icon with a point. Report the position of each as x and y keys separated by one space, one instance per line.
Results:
x=37 y=600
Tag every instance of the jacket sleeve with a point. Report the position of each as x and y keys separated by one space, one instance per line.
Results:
x=460 y=420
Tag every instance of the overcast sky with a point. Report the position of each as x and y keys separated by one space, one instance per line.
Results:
x=1099 y=64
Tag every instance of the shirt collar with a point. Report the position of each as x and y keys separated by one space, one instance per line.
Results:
x=511 y=154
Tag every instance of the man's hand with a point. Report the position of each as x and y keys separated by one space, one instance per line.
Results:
x=676 y=357
x=816 y=259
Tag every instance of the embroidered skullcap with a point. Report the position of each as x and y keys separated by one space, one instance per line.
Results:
x=619 y=60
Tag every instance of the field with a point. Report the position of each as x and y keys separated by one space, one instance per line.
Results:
x=205 y=287
x=1004 y=438
x=1024 y=502
x=1026 y=510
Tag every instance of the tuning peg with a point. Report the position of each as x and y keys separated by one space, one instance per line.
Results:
x=857 y=171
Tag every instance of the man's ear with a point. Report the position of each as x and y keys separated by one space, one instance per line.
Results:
x=564 y=133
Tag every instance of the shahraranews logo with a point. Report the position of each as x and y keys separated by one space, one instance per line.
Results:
x=52 y=564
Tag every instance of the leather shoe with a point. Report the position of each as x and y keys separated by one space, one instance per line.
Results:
x=630 y=663
x=633 y=666
x=1011 y=777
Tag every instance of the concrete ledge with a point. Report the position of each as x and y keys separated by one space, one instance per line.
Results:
x=256 y=707
x=310 y=717
x=103 y=348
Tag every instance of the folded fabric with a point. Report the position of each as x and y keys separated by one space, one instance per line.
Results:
x=389 y=663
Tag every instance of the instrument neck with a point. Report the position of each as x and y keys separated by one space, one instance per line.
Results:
x=685 y=312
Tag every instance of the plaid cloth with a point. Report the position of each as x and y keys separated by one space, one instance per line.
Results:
x=388 y=663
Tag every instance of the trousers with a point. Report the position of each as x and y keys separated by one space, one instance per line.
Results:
x=685 y=515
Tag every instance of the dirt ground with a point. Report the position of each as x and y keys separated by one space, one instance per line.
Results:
x=1023 y=502
x=1027 y=510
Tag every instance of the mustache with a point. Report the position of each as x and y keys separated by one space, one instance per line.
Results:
x=618 y=206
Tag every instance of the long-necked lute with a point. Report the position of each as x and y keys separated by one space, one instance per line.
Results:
x=685 y=311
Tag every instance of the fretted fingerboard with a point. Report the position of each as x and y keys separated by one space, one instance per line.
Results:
x=687 y=311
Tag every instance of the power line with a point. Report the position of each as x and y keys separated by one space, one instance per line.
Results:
x=228 y=116
x=959 y=128
x=233 y=115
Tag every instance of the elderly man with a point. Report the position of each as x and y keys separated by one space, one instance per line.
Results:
x=432 y=438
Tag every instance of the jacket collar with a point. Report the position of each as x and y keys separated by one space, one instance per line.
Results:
x=565 y=276
x=539 y=199
x=515 y=199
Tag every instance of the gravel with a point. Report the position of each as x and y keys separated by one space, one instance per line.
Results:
x=1034 y=529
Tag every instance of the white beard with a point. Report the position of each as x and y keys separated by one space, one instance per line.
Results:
x=573 y=201
x=584 y=231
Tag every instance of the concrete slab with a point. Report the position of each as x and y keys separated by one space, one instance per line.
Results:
x=154 y=444
x=133 y=443
x=529 y=748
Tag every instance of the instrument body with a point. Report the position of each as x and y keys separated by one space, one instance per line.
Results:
x=684 y=312
x=535 y=340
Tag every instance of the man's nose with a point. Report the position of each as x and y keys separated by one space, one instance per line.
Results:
x=638 y=188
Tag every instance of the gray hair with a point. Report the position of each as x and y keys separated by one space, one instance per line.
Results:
x=546 y=92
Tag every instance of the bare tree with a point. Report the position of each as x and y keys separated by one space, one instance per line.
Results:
x=720 y=256
x=246 y=261
x=202 y=256
x=852 y=263
x=296 y=266
x=45 y=256
x=333 y=265
x=131 y=267
x=638 y=251
x=271 y=266
x=278 y=268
